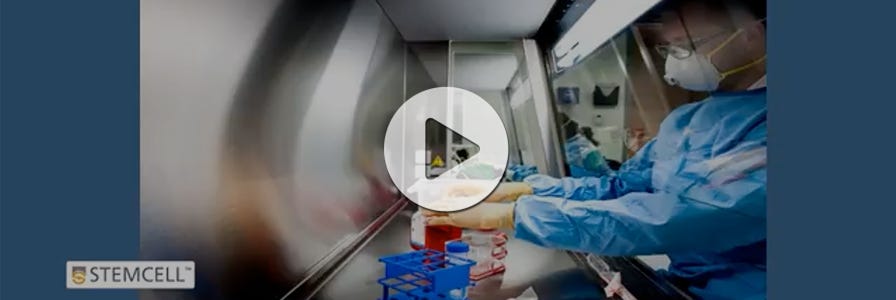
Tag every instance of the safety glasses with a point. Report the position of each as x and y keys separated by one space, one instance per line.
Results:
x=686 y=49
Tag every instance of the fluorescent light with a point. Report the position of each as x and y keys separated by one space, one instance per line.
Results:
x=599 y=24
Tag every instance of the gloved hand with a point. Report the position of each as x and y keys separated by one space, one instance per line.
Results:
x=482 y=216
x=507 y=191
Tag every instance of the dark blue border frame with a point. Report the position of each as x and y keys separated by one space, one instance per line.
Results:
x=70 y=127
x=832 y=207
x=69 y=123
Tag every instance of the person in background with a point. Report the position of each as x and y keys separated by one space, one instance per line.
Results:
x=582 y=155
x=584 y=158
x=569 y=127
x=635 y=138
x=588 y=133
x=696 y=192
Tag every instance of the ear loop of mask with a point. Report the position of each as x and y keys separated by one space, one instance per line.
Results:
x=738 y=69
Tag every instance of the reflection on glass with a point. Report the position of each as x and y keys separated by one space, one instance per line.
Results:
x=263 y=156
x=592 y=99
x=495 y=72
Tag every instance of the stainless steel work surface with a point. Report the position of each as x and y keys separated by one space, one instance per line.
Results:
x=551 y=273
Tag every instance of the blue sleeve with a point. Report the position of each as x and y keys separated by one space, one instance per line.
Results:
x=633 y=176
x=724 y=210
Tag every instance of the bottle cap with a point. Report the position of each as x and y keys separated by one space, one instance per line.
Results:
x=457 y=247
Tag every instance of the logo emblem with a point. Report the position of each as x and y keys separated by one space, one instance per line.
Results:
x=134 y=274
x=79 y=274
x=467 y=115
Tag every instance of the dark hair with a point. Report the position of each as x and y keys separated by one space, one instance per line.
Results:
x=562 y=117
x=589 y=134
x=569 y=126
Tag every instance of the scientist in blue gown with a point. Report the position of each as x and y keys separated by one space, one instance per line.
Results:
x=582 y=156
x=696 y=192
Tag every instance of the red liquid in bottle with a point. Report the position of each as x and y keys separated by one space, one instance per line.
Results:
x=436 y=236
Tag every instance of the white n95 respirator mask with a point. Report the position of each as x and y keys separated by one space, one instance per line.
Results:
x=695 y=71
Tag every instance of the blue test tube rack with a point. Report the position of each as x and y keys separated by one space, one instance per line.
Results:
x=424 y=275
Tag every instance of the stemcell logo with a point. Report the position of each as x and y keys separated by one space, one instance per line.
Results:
x=131 y=274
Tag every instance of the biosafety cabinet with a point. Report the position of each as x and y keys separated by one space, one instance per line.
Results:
x=262 y=126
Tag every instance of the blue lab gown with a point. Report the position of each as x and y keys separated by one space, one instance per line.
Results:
x=697 y=193
x=519 y=172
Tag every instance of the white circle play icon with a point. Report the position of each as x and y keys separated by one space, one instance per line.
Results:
x=463 y=185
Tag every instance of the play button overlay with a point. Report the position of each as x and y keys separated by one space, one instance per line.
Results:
x=463 y=149
x=463 y=184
